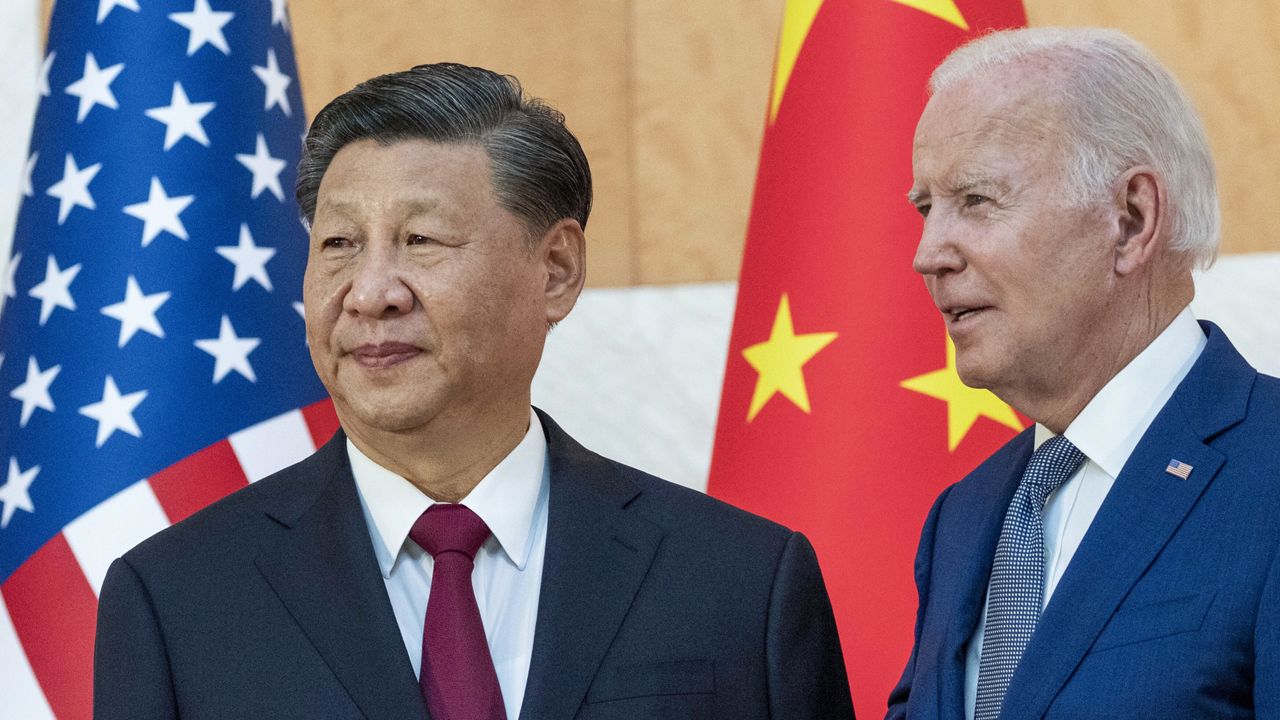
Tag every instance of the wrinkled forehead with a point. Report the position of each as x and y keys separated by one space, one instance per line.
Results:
x=1004 y=112
x=1014 y=98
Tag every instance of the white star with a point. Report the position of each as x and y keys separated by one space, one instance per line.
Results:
x=276 y=82
x=94 y=88
x=205 y=26
x=34 y=391
x=279 y=14
x=249 y=259
x=106 y=6
x=160 y=213
x=136 y=312
x=230 y=352
x=266 y=170
x=43 y=80
x=115 y=411
x=10 y=288
x=73 y=188
x=181 y=118
x=27 y=189
x=14 y=493
x=300 y=309
x=55 y=289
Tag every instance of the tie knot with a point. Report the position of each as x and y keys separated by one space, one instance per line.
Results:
x=449 y=528
x=1050 y=465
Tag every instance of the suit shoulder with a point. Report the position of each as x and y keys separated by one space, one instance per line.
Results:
x=668 y=504
x=230 y=523
x=996 y=467
x=693 y=519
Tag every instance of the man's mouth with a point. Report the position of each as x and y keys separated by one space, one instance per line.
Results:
x=957 y=314
x=384 y=355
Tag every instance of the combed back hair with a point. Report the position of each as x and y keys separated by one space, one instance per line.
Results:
x=1122 y=108
x=538 y=170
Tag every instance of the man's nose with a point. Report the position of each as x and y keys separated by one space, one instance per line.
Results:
x=378 y=287
x=937 y=252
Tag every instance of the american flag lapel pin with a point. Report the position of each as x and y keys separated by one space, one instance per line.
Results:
x=1178 y=468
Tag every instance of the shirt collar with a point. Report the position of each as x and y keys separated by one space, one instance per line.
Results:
x=1110 y=426
x=505 y=499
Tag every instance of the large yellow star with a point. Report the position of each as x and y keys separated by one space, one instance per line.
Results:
x=964 y=404
x=780 y=361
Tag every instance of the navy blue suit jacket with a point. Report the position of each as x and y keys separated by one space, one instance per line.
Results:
x=656 y=602
x=1170 y=607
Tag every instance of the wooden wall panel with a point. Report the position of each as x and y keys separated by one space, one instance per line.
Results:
x=573 y=53
x=702 y=77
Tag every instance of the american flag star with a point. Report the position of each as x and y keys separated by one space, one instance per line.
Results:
x=154 y=359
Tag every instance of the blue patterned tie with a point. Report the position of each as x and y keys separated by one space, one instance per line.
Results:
x=1017 y=577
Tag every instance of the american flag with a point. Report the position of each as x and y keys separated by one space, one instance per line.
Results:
x=1178 y=468
x=154 y=357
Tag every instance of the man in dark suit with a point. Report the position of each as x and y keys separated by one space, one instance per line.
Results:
x=452 y=553
x=1121 y=559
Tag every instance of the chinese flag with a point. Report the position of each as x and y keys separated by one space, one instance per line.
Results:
x=842 y=415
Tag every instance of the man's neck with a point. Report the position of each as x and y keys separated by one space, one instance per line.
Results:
x=1062 y=396
x=446 y=458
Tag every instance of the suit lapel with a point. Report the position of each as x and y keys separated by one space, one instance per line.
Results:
x=322 y=567
x=1141 y=513
x=971 y=551
x=597 y=556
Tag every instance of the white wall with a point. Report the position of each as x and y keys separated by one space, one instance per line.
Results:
x=20 y=58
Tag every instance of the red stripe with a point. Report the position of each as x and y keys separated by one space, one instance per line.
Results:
x=197 y=480
x=322 y=421
x=54 y=612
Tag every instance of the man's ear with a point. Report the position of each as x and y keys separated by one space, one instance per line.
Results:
x=563 y=250
x=1143 y=207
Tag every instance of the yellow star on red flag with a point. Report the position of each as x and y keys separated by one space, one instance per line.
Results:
x=964 y=404
x=780 y=361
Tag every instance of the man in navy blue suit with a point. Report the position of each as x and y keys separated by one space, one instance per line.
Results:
x=1121 y=559
x=452 y=553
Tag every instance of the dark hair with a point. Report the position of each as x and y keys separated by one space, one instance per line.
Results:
x=538 y=168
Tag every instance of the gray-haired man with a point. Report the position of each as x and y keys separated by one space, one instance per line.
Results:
x=1121 y=559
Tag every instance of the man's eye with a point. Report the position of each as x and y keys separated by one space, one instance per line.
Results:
x=335 y=242
x=972 y=200
x=415 y=239
x=923 y=209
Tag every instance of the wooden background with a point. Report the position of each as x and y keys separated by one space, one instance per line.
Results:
x=668 y=98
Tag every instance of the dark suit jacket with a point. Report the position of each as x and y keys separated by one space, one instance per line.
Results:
x=656 y=602
x=1170 y=607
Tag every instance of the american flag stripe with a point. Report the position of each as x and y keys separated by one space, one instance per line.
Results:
x=197 y=480
x=50 y=603
x=272 y=445
x=23 y=698
x=54 y=610
x=113 y=526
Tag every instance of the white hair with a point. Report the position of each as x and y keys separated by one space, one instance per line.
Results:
x=1123 y=108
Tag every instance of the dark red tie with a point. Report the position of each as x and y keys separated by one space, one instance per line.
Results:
x=457 y=679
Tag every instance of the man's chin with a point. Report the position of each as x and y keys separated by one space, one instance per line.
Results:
x=974 y=371
x=382 y=413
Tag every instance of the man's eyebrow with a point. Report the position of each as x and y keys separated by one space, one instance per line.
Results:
x=966 y=183
x=915 y=195
x=413 y=206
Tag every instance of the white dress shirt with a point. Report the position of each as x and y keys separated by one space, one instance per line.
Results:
x=512 y=500
x=1106 y=431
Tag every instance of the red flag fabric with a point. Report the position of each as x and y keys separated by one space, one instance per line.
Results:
x=841 y=414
